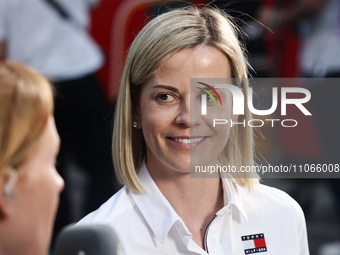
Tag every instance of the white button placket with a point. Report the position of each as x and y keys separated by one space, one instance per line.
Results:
x=214 y=231
x=211 y=239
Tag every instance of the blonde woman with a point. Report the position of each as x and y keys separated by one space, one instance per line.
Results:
x=158 y=136
x=29 y=144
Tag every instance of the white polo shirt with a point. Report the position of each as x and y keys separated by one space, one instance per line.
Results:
x=265 y=221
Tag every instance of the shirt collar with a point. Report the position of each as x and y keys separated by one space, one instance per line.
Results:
x=233 y=194
x=155 y=208
x=160 y=215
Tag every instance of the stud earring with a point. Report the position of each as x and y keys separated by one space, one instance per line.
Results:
x=135 y=124
x=8 y=189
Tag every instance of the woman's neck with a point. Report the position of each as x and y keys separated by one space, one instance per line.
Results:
x=196 y=200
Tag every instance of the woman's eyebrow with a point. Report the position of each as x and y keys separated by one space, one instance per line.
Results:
x=166 y=87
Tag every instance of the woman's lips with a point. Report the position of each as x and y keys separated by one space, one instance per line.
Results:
x=186 y=142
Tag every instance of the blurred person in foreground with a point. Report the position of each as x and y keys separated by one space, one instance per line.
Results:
x=51 y=36
x=29 y=144
x=160 y=136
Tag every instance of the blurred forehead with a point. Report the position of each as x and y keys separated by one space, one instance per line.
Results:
x=197 y=62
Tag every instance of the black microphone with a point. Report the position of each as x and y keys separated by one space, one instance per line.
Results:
x=88 y=240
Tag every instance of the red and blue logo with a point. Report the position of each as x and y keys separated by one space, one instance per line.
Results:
x=254 y=243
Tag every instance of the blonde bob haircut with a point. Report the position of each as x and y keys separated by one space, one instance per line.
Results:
x=26 y=102
x=174 y=31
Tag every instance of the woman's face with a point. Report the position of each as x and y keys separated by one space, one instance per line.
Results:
x=37 y=195
x=175 y=132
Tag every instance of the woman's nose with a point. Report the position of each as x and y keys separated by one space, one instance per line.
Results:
x=187 y=115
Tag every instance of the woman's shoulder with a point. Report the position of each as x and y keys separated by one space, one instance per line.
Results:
x=274 y=213
x=270 y=199
x=119 y=204
x=274 y=195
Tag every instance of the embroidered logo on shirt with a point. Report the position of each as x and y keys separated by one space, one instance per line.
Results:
x=254 y=243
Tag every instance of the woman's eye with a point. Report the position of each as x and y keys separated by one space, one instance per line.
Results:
x=209 y=99
x=166 y=97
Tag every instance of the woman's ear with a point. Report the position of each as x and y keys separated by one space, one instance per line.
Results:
x=4 y=207
x=136 y=117
x=7 y=182
x=136 y=123
x=136 y=120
